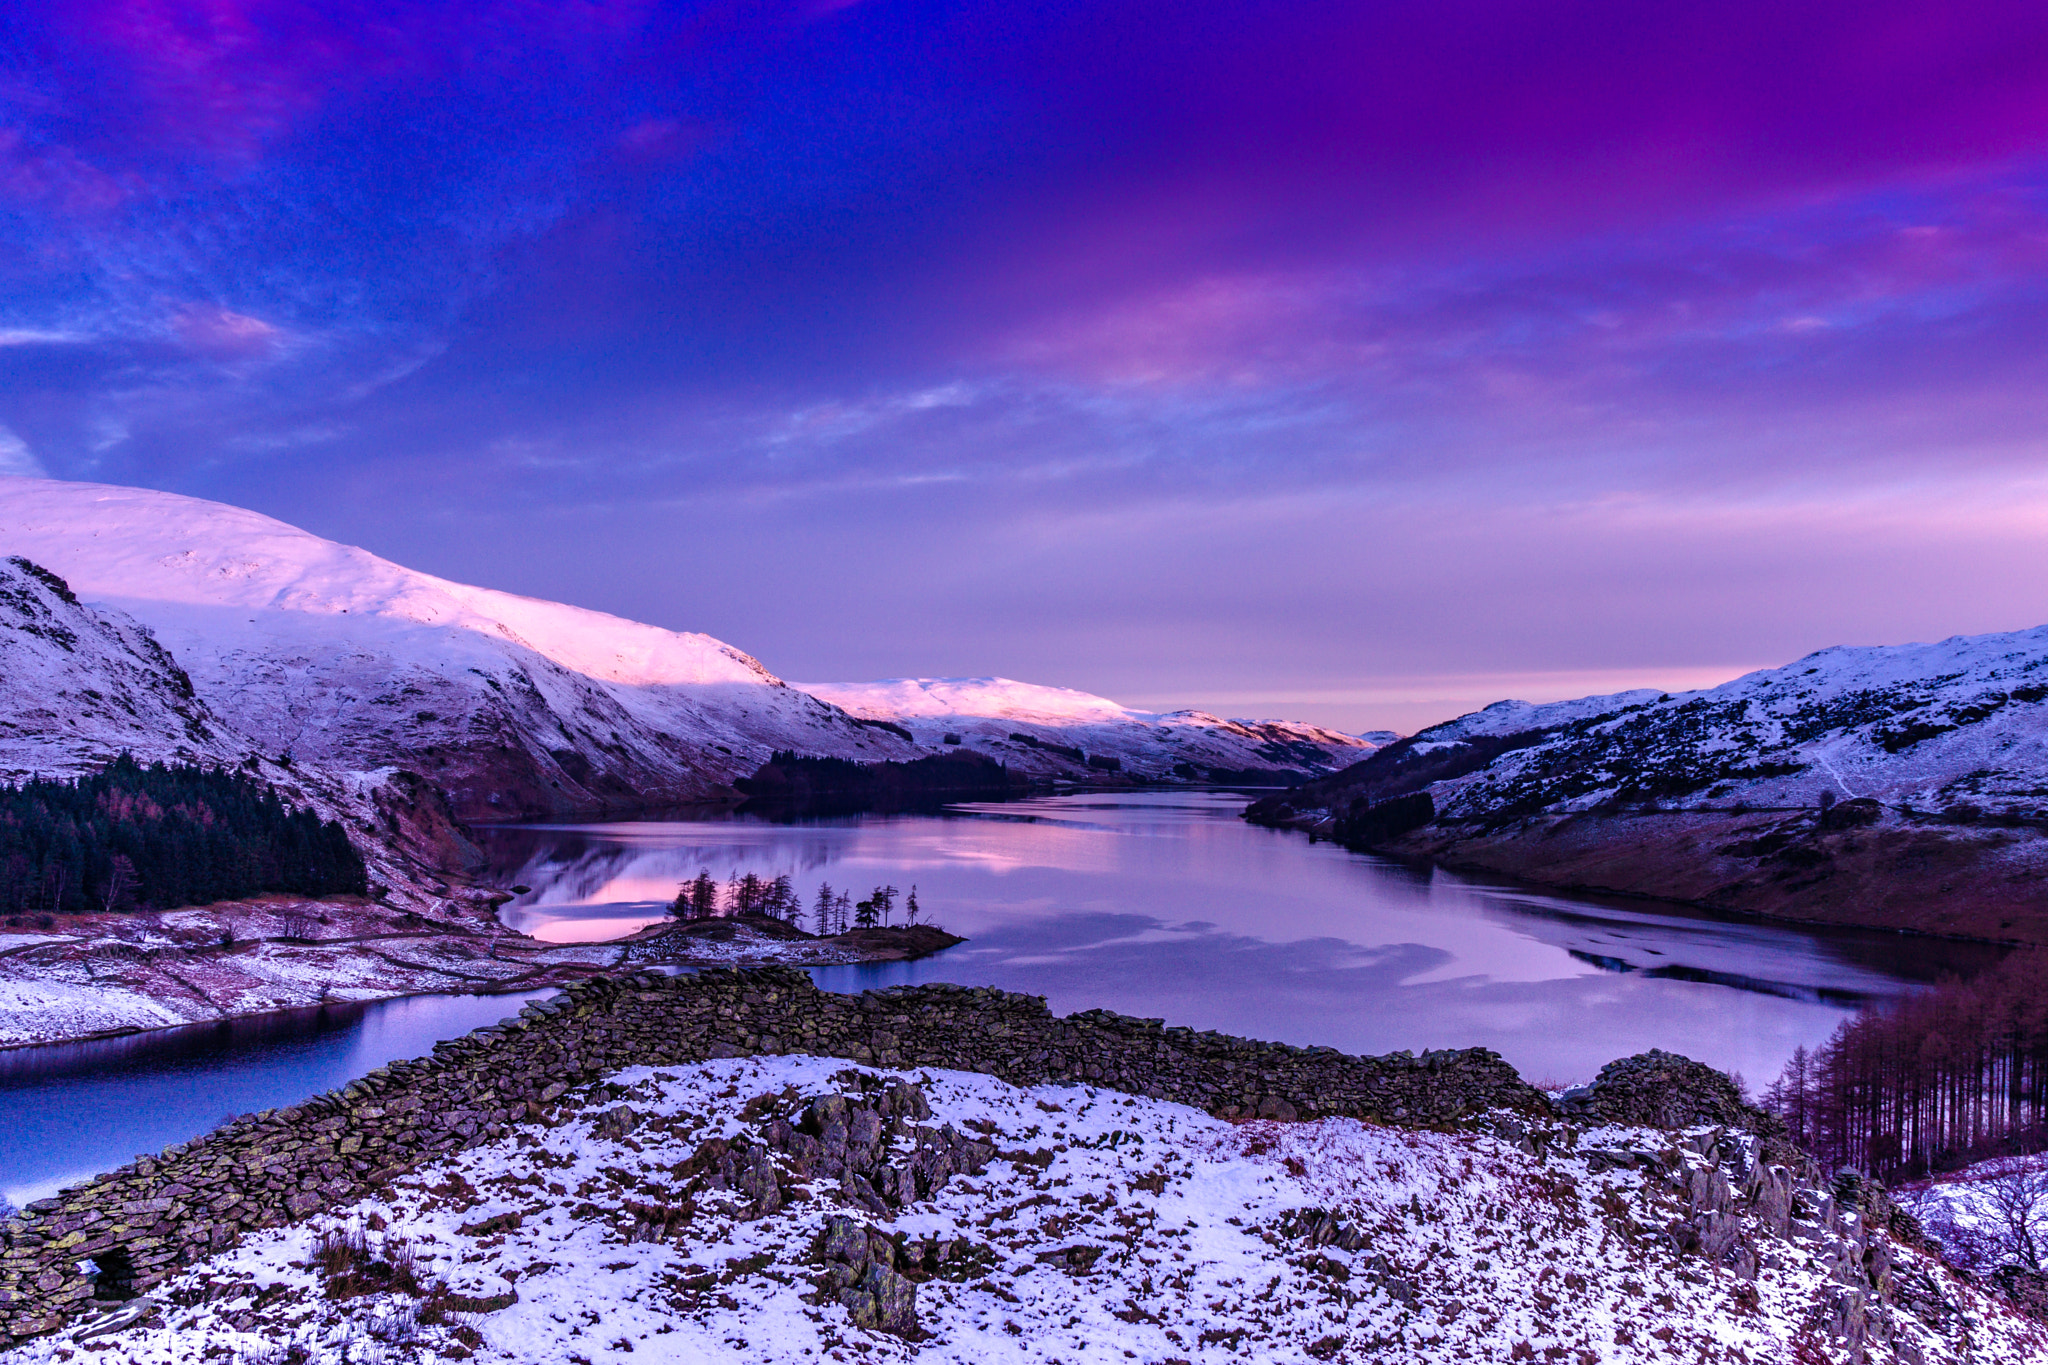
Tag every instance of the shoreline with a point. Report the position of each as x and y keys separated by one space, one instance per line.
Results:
x=1439 y=854
x=99 y=977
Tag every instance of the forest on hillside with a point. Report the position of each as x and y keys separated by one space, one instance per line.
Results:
x=133 y=837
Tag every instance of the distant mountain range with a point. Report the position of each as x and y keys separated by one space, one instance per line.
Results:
x=1903 y=786
x=171 y=626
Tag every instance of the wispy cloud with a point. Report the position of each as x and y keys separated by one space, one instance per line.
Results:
x=1355 y=346
x=17 y=458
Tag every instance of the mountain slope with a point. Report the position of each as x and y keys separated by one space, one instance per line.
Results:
x=1931 y=758
x=78 y=687
x=320 y=653
x=990 y=714
x=326 y=652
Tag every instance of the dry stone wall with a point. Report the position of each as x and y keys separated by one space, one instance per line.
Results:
x=140 y=1224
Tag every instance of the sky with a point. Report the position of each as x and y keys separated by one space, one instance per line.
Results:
x=1360 y=363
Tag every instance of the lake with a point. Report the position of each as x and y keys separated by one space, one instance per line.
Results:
x=1165 y=904
x=74 y=1109
x=1158 y=904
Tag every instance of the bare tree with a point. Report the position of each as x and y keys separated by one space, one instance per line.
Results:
x=121 y=881
x=2014 y=1194
x=1994 y=1214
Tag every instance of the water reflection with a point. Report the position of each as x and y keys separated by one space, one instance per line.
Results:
x=1166 y=905
x=73 y=1109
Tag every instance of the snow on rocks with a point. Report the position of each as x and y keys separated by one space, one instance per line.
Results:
x=797 y=1209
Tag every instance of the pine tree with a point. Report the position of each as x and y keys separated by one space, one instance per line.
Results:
x=865 y=912
x=783 y=902
x=823 y=908
x=910 y=906
x=163 y=836
x=703 y=895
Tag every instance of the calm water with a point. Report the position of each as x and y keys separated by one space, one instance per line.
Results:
x=73 y=1109
x=1155 y=904
x=1165 y=904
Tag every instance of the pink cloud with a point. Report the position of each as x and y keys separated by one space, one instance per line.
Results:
x=221 y=334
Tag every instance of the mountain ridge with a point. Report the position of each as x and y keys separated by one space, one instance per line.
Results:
x=1902 y=786
x=303 y=651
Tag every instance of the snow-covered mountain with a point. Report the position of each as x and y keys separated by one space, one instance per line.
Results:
x=1034 y=729
x=330 y=654
x=1932 y=757
x=299 y=649
x=81 y=685
x=78 y=687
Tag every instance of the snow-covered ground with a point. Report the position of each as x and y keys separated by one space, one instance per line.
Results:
x=666 y=1217
x=128 y=971
x=1991 y=1214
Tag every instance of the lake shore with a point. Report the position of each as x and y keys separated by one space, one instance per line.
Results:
x=81 y=977
x=1964 y=885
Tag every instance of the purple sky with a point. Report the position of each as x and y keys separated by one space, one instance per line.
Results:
x=1361 y=363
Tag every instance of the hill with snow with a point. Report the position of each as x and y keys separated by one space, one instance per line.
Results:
x=1027 y=726
x=224 y=634
x=327 y=653
x=729 y=1211
x=78 y=687
x=1932 y=761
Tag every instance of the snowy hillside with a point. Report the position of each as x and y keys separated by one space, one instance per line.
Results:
x=330 y=654
x=988 y=714
x=795 y=1209
x=323 y=654
x=1933 y=756
x=78 y=687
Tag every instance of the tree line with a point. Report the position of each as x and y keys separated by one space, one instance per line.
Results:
x=132 y=837
x=1930 y=1083
x=831 y=911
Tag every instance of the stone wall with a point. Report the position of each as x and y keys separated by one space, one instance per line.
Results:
x=142 y=1223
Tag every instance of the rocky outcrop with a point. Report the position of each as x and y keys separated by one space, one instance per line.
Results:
x=1658 y=1089
x=139 y=1223
x=1751 y=1207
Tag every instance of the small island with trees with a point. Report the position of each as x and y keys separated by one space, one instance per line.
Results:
x=751 y=918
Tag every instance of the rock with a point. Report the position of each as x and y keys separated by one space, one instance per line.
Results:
x=860 y=1274
x=616 y=1123
x=1658 y=1089
x=1075 y=1260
